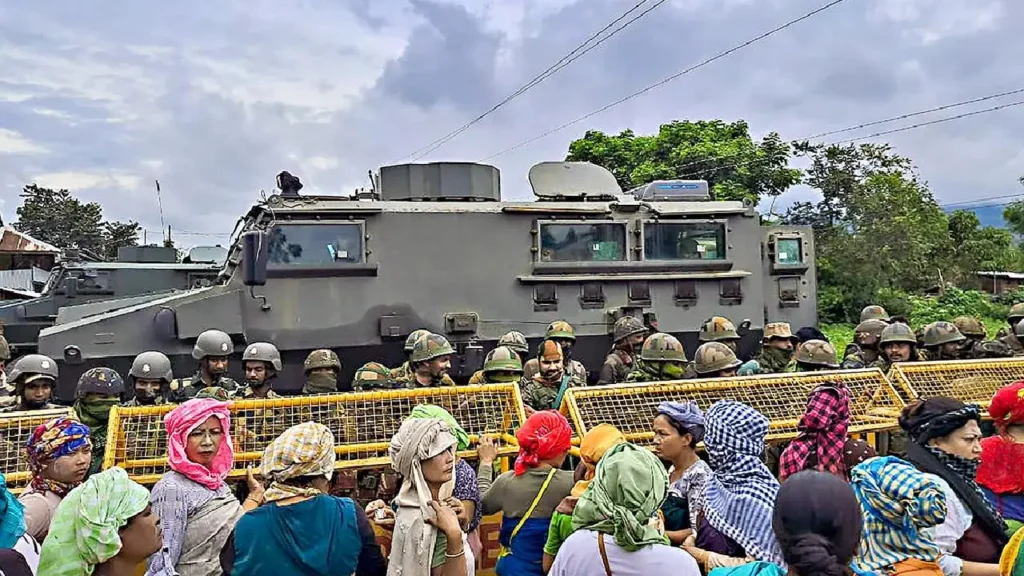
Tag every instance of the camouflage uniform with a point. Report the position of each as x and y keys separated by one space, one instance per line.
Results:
x=715 y=329
x=771 y=360
x=712 y=358
x=151 y=365
x=271 y=357
x=620 y=361
x=1015 y=316
x=975 y=347
x=542 y=394
x=96 y=415
x=26 y=369
x=260 y=426
x=936 y=336
x=209 y=343
x=897 y=332
x=501 y=359
x=425 y=349
x=1014 y=341
x=319 y=360
x=662 y=358
x=874 y=312
x=864 y=348
x=402 y=374
x=560 y=331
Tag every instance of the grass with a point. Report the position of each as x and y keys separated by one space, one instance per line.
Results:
x=842 y=334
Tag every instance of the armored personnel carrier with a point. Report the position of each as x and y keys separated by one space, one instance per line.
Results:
x=433 y=246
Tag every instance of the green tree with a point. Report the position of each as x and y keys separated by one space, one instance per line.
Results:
x=57 y=217
x=118 y=234
x=735 y=166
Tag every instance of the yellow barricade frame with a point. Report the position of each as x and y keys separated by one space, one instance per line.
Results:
x=780 y=397
x=16 y=468
x=971 y=381
x=362 y=422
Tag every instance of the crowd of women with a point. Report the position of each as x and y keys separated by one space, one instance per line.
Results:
x=952 y=506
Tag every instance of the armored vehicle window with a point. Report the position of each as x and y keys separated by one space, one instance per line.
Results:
x=789 y=251
x=328 y=244
x=597 y=242
x=684 y=241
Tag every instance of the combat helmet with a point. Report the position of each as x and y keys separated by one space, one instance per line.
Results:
x=970 y=326
x=1018 y=332
x=100 y=381
x=412 y=338
x=212 y=343
x=816 y=353
x=322 y=358
x=263 y=352
x=898 y=332
x=502 y=359
x=938 y=333
x=714 y=357
x=33 y=364
x=560 y=329
x=5 y=349
x=873 y=313
x=152 y=365
x=779 y=330
x=1016 y=313
x=626 y=327
x=429 y=347
x=661 y=347
x=872 y=327
x=717 y=329
x=371 y=375
x=516 y=341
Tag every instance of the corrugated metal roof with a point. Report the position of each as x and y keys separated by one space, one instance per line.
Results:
x=24 y=279
x=13 y=241
x=1006 y=275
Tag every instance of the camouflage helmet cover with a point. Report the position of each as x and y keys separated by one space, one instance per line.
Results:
x=969 y=326
x=549 y=350
x=714 y=357
x=152 y=365
x=938 y=333
x=5 y=350
x=429 y=347
x=871 y=327
x=514 y=340
x=627 y=326
x=1016 y=312
x=33 y=364
x=263 y=352
x=817 y=353
x=718 y=329
x=502 y=359
x=560 y=329
x=873 y=313
x=212 y=343
x=897 y=332
x=214 y=392
x=372 y=374
x=322 y=358
x=661 y=347
x=100 y=381
x=413 y=337
x=780 y=330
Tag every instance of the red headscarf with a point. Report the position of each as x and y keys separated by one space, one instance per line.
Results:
x=544 y=435
x=1002 y=458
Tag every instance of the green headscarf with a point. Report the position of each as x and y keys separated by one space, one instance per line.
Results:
x=432 y=411
x=628 y=488
x=86 y=527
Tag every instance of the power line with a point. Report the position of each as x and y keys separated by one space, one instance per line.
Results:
x=962 y=202
x=564 y=61
x=664 y=81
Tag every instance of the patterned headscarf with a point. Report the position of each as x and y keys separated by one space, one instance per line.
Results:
x=12 y=516
x=305 y=449
x=180 y=422
x=432 y=411
x=49 y=441
x=544 y=435
x=687 y=415
x=741 y=492
x=822 y=434
x=898 y=502
x=86 y=526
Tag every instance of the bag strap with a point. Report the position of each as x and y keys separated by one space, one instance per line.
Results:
x=604 y=554
x=536 y=500
x=563 y=386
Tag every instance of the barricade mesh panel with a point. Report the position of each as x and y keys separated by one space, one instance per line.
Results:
x=15 y=430
x=362 y=423
x=972 y=381
x=781 y=397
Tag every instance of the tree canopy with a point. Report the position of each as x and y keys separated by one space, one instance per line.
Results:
x=61 y=219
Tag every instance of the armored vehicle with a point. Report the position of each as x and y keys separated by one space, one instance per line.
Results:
x=139 y=270
x=433 y=246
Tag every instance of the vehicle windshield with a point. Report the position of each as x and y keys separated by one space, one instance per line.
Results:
x=602 y=242
x=684 y=241
x=327 y=244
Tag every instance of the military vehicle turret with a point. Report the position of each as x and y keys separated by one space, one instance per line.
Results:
x=433 y=246
x=139 y=270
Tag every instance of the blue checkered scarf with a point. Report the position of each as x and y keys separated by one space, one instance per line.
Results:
x=741 y=492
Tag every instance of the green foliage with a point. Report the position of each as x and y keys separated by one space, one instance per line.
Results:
x=952 y=303
x=57 y=217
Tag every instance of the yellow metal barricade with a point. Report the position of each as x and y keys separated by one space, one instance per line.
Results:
x=781 y=397
x=362 y=422
x=15 y=430
x=972 y=381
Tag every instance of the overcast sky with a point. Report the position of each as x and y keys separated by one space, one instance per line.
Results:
x=214 y=98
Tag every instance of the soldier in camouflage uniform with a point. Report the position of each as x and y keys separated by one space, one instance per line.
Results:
x=975 y=346
x=942 y=341
x=874 y=312
x=501 y=366
x=715 y=360
x=34 y=377
x=98 y=390
x=402 y=372
x=1015 y=316
x=815 y=355
x=776 y=351
x=662 y=357
x=429 y=363
x=1014 y=338
x=628 y=337
x=545 y=389
x=322 y=368
x=150 y=377
x=562 y=332
x=262 y=363
x=212 y=349
x=897 y=344
x=864 y=349
x=372 y=375
x=716 y=329
x=516 y=341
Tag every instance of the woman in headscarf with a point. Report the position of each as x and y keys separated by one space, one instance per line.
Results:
x=103 y=527
x=613 y=534
x=59 y=453
x=528 y=495
x=678 y=427
x=19 y=551
x=428 y=538
x=945 y=440
x=898 y=505
x=1001 y=474
x=596 y=442
x=736 y=526
x=196 y=508
x=301 y=529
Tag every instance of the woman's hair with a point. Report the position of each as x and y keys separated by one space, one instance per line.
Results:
x=817 y=522
x=304 y=481
x=679 y=428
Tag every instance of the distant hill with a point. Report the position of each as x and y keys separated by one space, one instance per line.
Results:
x=988 y=215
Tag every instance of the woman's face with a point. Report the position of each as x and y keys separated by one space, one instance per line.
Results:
x=964 y=442
x=438 y=470
x=70 y=468
x=668 y=442
x=141 y=537
x=204 y=441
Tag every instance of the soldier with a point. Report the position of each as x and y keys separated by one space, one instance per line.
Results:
x=815 y=355
x=501 y=366
x=402 y=372
x=628 y=336
x=1012 y=338
x=662 y=357
x=897 y=344
x=151 y=378
x=720 y=329
x=545 y=389
x=715 y=360
x=1012 y=319
x=372 y=375
x=5 y=356
x=864 y=349
x=261 y=362
x=98 y=390
x=516 y=342
x=34 y=377
x=974 y=345
x=776 y=351
x=562 y=332
x=874 y=312
x=322 y=368
x=211 y=350
x=429 y=363
x=942 y=341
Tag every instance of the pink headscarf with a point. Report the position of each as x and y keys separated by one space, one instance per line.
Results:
x=180 y=422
